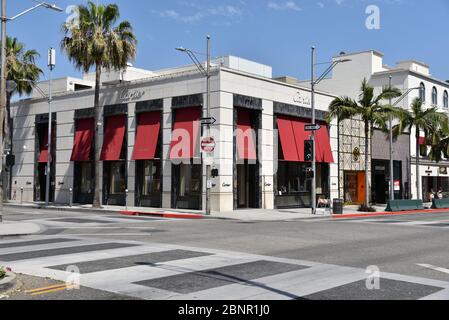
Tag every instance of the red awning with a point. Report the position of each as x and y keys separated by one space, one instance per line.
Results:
x=422 y=141
x=323 y=150
x=84 y=139
x=43 y=157
x=300 y=136
x=323 y=146
x=185 y=133
x=113 y=138
x=147 y=136
x=287 y=137
x=246 y=146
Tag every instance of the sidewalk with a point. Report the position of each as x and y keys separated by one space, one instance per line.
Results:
x=240 y=215
x=243 y=215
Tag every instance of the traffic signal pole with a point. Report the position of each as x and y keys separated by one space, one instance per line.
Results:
x=313 y=200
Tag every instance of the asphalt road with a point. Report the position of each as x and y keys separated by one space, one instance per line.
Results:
x=412 y=247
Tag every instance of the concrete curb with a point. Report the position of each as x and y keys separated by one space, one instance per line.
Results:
x=163 y=215
x=380 y=214
x=8 y=282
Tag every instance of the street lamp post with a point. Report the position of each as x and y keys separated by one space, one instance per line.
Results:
x=4 y=20
x=391 y=150
x=313 y=84
x=206 y=111
x=51 y=66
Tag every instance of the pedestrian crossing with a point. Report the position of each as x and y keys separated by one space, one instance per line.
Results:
x=438 y=224
x=156 y=271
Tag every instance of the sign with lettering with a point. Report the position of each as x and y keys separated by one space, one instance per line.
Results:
x=131 y=95
x=302 y=99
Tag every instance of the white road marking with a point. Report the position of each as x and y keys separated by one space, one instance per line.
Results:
x=429 y=266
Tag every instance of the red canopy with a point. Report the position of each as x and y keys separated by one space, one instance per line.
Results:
x=292 y=135
x=287 y=137
x=43 y=157
x=246 y=146
x=84 y=139
x=147 y=136
x=113 y=138
x=185 y=133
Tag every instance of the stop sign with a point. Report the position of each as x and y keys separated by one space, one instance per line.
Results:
x=208 y=145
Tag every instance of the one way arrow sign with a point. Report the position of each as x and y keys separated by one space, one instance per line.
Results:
x=208 y=121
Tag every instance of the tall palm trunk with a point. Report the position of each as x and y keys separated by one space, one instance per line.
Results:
x=367 y=132
x=98 y=113
x=7 y=144
x=418 y=184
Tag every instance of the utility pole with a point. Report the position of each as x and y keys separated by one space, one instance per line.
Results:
x=313 y=135
x=391 y=151
x=208 y=166
x=2 y=100
x=51 y=66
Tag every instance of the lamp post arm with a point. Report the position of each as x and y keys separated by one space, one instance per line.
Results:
x=197 y=62
x=404 y=96
x=326 y=72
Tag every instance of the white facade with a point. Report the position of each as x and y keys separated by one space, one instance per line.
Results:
x=346 y=80
x=255 y=81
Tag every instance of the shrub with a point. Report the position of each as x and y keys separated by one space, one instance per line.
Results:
x=2 y=273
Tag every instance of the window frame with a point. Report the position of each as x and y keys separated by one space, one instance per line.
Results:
x=434 y=96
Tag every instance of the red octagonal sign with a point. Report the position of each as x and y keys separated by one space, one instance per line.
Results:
x=208 y=144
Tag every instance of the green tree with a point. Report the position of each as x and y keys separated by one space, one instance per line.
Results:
x=96 y=40
x=22 y=73
x=371 y=111
x=432 y=123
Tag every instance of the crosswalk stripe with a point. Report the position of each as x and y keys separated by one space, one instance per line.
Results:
x=316 y=277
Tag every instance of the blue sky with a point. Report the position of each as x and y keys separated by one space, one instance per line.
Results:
x=275 y=32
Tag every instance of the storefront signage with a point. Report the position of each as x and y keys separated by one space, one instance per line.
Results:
x=247 y=102
x=297 y=111
x=443 y=170
x=301 y=99
x=150 y=105
x=195 y=100
x=397 y=185
x=131 y=95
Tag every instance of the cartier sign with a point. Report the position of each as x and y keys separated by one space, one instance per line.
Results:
x=301 y=99
x=131 y=95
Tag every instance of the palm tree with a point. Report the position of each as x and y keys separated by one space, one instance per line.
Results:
x=440 y=146
x=22 y=71
x=434 y=124
x=370 y=110
x=97 y=41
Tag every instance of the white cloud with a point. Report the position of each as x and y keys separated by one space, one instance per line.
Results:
x=288 y=5
x=196 y=12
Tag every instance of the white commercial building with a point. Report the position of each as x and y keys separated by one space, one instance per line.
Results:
x=144 y=151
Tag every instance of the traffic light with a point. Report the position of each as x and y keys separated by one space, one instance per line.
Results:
x=308 y=150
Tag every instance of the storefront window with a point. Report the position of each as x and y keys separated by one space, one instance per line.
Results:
x=190 y=180
x=152 y=178
x=292 y=178
x=87 y=183
x=118 y=178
